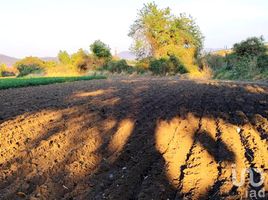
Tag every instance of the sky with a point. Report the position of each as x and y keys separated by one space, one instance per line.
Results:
x=43 y=27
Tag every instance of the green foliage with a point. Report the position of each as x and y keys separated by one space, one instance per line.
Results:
x=158 y=66
x=253 y=46
x=262 y=62
x=215 y=61
x=164 y=66
x=64 y=57
x=94 y=62
x=144 y=63
x=100 y=49
x=79 y=60
x=139 y=70
x=187 y=33
x=3 y=68
x=118 y=67
x=30 y=65
x=24 y=82
x=244 y=68
x=248 y=61
x=158 y=33
x=176 y=66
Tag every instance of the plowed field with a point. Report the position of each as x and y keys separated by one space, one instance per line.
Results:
x=136 y=138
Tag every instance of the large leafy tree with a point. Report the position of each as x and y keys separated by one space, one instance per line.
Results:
x=158 y=33
x=100 y=49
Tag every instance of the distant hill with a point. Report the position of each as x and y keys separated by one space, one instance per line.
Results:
x=9 y=61
x=127 y=55
x=55 y=59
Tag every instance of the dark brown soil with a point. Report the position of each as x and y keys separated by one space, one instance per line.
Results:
x=136 y=138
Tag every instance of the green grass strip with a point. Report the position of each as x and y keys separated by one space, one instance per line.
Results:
x=6 y=83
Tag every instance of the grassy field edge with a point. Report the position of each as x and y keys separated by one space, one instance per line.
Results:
x=7 y=83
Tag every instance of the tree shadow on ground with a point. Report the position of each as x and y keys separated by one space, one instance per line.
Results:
x=138 y=170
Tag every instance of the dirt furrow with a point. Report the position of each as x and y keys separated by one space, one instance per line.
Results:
x=201 y=161
x=140 y=169
x=137 y=138
x=255 y=151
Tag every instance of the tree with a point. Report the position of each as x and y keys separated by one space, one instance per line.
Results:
x=30 y=65
x=158 y=33
x=253 y=46
x=79 y=60
x=149 y=30
x=3 y=68
x=100 y=49
x=64 y=57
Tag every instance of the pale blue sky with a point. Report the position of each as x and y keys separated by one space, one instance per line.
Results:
x=43 y=27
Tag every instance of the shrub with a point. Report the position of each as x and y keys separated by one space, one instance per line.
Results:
x=7 y=74
x=139 y=70
x=143 y=63
x=164 y=66
x=242 y=68
x=94 y=62
x=64 y=58
x=30 y=65
x=79 y=60
x=248 y=61
x=3 y=68
x=175 y=66
x=262 y=62
x=28 y=69
x=158 y=66
x=253 y=46
x=118 y=67
x=215 y=61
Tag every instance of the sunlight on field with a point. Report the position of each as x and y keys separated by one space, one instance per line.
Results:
x=90 y=94
x=120 y=138
x=146 y=133
x=174 y=140
x=94 y=93
x=62 y=70
x=178 y=141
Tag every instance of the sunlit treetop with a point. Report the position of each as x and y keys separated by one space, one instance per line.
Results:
x=158 y=33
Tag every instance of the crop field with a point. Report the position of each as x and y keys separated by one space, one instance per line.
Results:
x=134 y=138
x=6 y=83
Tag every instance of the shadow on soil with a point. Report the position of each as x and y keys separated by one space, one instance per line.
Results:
x=134 y=169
